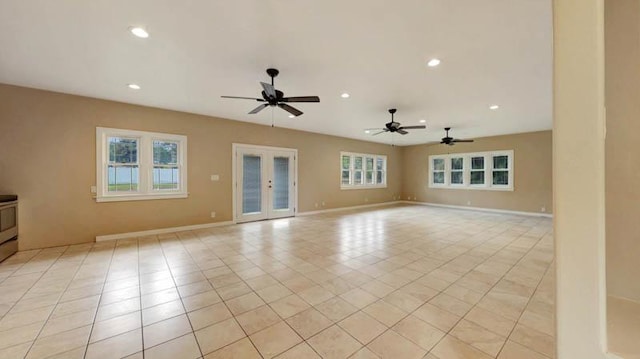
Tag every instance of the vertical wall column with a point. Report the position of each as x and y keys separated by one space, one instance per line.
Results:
x=578 y=178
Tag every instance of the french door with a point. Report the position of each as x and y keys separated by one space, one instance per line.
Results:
x=264 y=182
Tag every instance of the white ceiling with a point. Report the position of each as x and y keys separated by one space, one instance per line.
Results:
x=492 y=51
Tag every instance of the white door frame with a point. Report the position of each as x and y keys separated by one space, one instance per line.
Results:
x=234 y=173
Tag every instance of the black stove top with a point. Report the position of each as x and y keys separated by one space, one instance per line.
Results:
x=8 y=198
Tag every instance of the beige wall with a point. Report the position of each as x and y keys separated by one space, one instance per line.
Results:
x=47 y=157
x=532 y=175
x=622 y=93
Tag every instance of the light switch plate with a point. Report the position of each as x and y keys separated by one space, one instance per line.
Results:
x=215 y=177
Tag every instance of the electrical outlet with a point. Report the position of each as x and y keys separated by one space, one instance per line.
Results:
x=213 y=214
x=215 y=177
x=316 y=204
x=468 y=203
x=94 y=189
x=415 y=198
x=322 y=203
x=543 y=209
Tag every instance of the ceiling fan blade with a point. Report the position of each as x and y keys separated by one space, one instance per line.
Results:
x=377 y=133
x=375 y=129
x=456 y=140
x=269 y=89
x=258 y=109
x=244 y=98
x=292 y=110
x=301 y=99
x=402 y=132
x=413 y=127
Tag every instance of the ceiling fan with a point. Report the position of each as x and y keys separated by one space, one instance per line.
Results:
x=394 y=126
x=272 y=97
x=450 y=140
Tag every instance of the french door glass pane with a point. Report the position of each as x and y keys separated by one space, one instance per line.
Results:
x=345 y=177
x=456 y=177
x=477 y=163
x=438 y=164
x=477 y=177
x=251 y=184
x=501 y=162
x=438 y=177
x=280 y=182
x=346 y=162
x=501 y=177
x=122 y=178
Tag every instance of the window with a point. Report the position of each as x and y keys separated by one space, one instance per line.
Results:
x=362 y=171
x=346 y=170
x=477 y=172
x=457 y=168
x=500 y=171
x=483 y=170
x=437 y=171
x=137 y=165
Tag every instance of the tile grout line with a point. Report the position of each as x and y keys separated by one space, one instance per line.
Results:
x=484 y=295
x=60 y=296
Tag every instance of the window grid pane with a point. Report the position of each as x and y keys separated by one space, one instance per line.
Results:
x=501 y=162
x=477 y=163
x=346 y=162
x=477 y=177
x=438 y=164
x=501 y=178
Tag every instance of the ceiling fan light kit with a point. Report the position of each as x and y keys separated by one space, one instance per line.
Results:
x=447 y=140
x=275 y=98
x=394 y=126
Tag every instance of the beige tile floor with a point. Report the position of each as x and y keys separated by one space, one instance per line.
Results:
x=397 y=282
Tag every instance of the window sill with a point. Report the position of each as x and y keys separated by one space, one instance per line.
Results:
x=363 y=187
x=141 y=197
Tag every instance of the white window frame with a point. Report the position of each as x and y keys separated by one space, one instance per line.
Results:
x=488 y=171
x=145 y=165
x=364 y=184
x=432 y=170
x=449 y=171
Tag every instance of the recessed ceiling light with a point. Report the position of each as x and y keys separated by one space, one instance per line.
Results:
x=139 y=32
x=423 y=121
x=433 y=62
x=345 y=95
x=133 y=86
x=494 y=107
x=367 y=131
x=291 y=116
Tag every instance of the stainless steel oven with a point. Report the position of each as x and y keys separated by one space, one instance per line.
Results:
x=8 y=225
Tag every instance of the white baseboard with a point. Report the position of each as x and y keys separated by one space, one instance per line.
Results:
x=381 y=204
x=110 y=237
x=481 y=209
